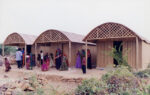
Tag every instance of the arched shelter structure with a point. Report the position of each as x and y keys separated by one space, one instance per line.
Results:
x=20 y=40
x=114 y=35
x=69 y=43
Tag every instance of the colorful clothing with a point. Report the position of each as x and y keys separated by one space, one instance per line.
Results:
x=64 y=65
x=51 y=62
x=89 y=64
x=78 y=60
x=84 y=65
x=7 y=66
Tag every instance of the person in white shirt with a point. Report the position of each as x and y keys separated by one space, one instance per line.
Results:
x=42 y=56
x=19 y=58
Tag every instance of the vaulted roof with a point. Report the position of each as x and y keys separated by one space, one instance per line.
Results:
x=112 y=30
x=18 y=38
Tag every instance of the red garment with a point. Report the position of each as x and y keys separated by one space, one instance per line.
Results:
x=7 y=65
x=84 y=61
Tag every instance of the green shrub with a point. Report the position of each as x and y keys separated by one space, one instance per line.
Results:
x=143 y=74
x=121 y=71
x=117 y=82
x=89 y=87
x=148 y=65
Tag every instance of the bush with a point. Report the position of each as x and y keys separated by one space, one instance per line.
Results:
x=117 y=82
x=143 y=74
x=88 y=87
x=121 y=71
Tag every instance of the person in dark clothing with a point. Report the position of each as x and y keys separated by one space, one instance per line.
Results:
x=89 y=64
x=83 y=62
x=39 y=60
x=58 y=59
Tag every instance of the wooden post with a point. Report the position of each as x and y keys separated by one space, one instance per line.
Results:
x=3 y=50
x=69 y=53
x=86 y=53
x=137 y=53
x=25 y=52
x=35 y=51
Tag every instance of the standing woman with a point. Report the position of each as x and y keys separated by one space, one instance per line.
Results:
x=64 y=65
x=83 y=62
x=31 y=61
x=89 y=64
x=58 y=59
x=51 y=60
x=39 y=60
x=78 y=60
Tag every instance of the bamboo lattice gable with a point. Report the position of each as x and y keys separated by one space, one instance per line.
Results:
x=111 y=31
x=56 y=36
x=19 y=39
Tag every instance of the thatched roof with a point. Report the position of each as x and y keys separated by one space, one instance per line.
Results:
x=19 y=39
x=112 y=30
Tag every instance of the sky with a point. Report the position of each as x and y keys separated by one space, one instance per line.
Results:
x=77 y=16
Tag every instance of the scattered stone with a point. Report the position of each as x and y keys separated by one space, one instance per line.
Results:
x=8 y=93
x=5 y=76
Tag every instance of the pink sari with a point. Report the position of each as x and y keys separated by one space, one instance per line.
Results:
x=45 y=65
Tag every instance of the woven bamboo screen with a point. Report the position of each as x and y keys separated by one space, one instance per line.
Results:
x=14 y=38
x=51 y=36
x=110 y=30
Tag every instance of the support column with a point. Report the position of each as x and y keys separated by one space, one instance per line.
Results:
x=25 y=52
x=3 y=50
x=137 y=53
x=35 y=47
x=69 y=53
x=86 y=53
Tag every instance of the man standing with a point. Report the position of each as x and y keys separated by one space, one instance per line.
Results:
x=42 y=57
x=19 y=58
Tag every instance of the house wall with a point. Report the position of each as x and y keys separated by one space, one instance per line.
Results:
x=103 y=49
x=129 y=51
x=145 y=54
x=74 y=49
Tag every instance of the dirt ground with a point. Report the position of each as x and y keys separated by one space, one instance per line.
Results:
x=18 y=74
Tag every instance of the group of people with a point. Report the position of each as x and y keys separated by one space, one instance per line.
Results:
x=45 y=61
x=60 y=60
x=20 y=57
x=81 y=60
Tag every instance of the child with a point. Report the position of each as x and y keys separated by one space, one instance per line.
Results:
x=7 y=65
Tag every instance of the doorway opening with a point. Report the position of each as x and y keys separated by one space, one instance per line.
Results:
x=29 y=49
x=118 y=46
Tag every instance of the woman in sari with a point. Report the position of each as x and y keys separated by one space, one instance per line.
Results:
x=78 y=60
x=45 y=65
x=89 y=64
x=51 y=60
x=28 y=62
x=64 y=65
x=58 y=59
x=7 y=65
x=83 y=62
